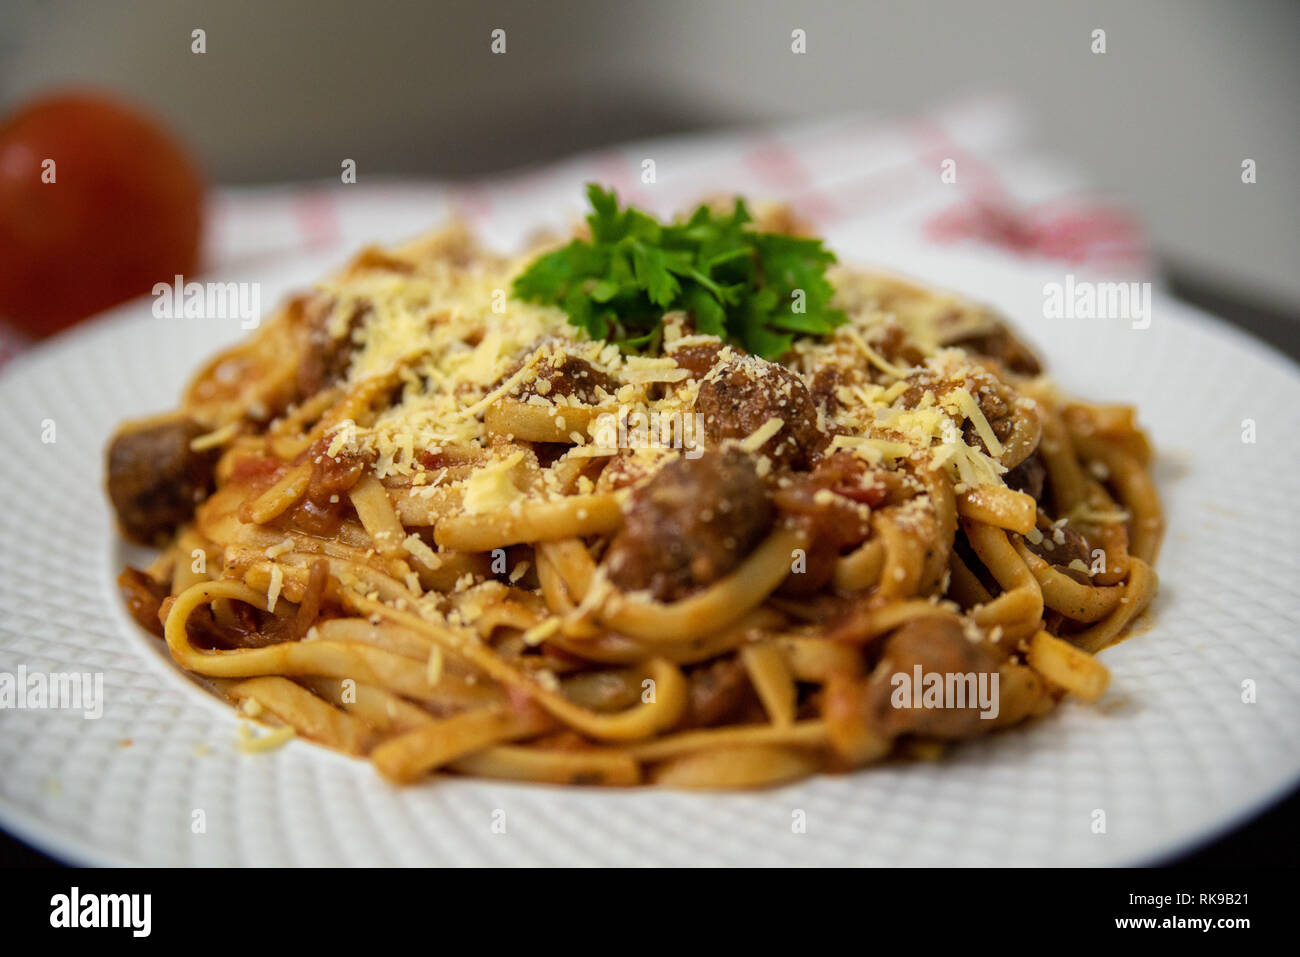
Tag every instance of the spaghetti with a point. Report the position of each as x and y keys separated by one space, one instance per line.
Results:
x=414 y=519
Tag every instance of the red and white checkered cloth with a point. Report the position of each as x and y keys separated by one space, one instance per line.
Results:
x=880 y=179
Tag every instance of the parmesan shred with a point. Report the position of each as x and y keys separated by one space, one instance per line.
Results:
x=279 y=548
x=273 y=590
x=434 y=671
x=759 y=437
x=490 y=489
x=250 y=742
x=540 y=632
x=215 y=438
x=966 y=402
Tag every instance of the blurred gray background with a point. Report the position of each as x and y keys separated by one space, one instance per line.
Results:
x=1187 y=89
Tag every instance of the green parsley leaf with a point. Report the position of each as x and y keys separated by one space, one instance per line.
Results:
x=758 y=290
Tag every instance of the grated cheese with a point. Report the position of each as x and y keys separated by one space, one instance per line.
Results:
x=966 y=402
x=874 y=357
x=215 y=438
x=279 y=548
x=420 y=550
x=273 y=589
x=490 y=489
x=251 y=743
x=756 y=439
x=433 y=673
x=541 y=631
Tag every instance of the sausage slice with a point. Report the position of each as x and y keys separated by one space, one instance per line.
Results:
x=155 y=479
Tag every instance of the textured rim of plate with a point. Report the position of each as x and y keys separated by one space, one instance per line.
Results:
x=306 y=805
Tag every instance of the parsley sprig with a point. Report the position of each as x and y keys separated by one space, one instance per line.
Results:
x=757 y=289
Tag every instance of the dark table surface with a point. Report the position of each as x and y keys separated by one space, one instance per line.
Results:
x=1270 y=839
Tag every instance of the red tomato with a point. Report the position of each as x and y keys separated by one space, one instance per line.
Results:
x=123 y=210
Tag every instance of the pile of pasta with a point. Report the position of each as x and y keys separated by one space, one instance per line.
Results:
x=445 y=531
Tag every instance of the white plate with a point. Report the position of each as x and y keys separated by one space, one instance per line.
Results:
x=1171 y=755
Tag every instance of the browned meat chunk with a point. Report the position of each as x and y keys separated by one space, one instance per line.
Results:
x=693 y=522
x=940 y=647
x=997 y=410
x=155 y=479
x=697 y=359
x=325 y=357
x=144 y=598
x=574 y=378
x=719 y=691
x=831 y=522
x=1002 y=345
x=737 y=399
x=992 y=399
x=1060 y=545
x=1028 y=477
x=826 y=382
x=891 y=342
